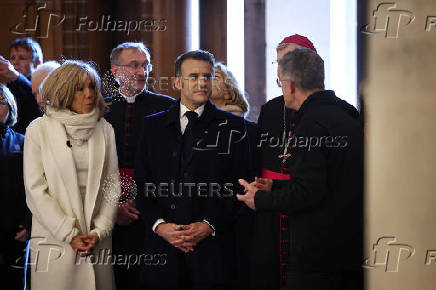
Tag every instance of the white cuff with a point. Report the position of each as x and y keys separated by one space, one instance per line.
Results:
x=156 y=223
x=211 y=226
x=74 y=232
x=97 y=231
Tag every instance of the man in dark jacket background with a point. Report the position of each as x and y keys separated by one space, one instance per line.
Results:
x=324 y=195
x=25 y=56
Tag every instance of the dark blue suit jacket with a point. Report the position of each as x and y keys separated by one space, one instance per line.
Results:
x=220 y=156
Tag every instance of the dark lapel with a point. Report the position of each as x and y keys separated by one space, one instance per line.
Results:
x=173 y=118
x=142 y=97
x=201 y=126
x=115 y=116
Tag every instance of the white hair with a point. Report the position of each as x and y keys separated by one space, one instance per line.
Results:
x=45 y=69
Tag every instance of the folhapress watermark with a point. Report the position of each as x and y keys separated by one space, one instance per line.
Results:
x=309 y=142
x=388 y=20
x=388 y=253
x=107 y=257
x=106 y=23
x=37 y=17
x=44 y=253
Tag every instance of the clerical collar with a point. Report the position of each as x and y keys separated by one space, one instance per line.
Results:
x=184 y=109
x=129 y=100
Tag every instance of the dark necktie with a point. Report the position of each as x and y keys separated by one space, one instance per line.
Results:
x=188 y=136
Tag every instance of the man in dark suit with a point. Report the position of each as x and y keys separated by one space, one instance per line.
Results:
x=130 y=65
x=323 y=197
x=186 y=173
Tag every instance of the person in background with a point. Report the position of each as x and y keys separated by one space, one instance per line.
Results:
x=14 y=216
x=130 y=65
x=323 y=197
x=72 y=183
x=226 y=93
x=270 y=236
x=39 y=74
x=24 y=57
x=228 y=96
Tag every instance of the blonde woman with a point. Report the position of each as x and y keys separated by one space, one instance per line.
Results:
x=226 y=94
x=69 y=156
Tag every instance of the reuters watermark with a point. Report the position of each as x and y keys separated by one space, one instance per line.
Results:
x=162 y=83
x=188 y=189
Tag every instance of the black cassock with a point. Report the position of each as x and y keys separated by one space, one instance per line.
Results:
x=220 y=155
x=146 y=103
x=128 y=239
x=274 y=124
x=323 y=198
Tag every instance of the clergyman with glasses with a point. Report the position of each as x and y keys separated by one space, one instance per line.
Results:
x=130 y=65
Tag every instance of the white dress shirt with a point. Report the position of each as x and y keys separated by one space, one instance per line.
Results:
x=184 y=120
x=129 y=100
x=183 y=123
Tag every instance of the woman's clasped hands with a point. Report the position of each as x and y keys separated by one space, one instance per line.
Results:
x=83 y=245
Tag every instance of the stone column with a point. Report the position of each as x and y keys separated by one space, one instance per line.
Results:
x=400 y=96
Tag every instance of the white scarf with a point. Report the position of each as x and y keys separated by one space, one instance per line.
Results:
x=234 y=109
x=79 y=127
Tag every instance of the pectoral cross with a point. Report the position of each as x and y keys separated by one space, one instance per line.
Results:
x=285 y=156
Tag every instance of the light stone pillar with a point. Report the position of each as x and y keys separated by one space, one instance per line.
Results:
x=400 y=96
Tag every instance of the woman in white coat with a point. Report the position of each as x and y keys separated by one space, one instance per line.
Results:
x=71 y=179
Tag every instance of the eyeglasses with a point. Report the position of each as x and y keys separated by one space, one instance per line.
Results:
x=198 y=78
x=279 y=82
x=147 y=67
